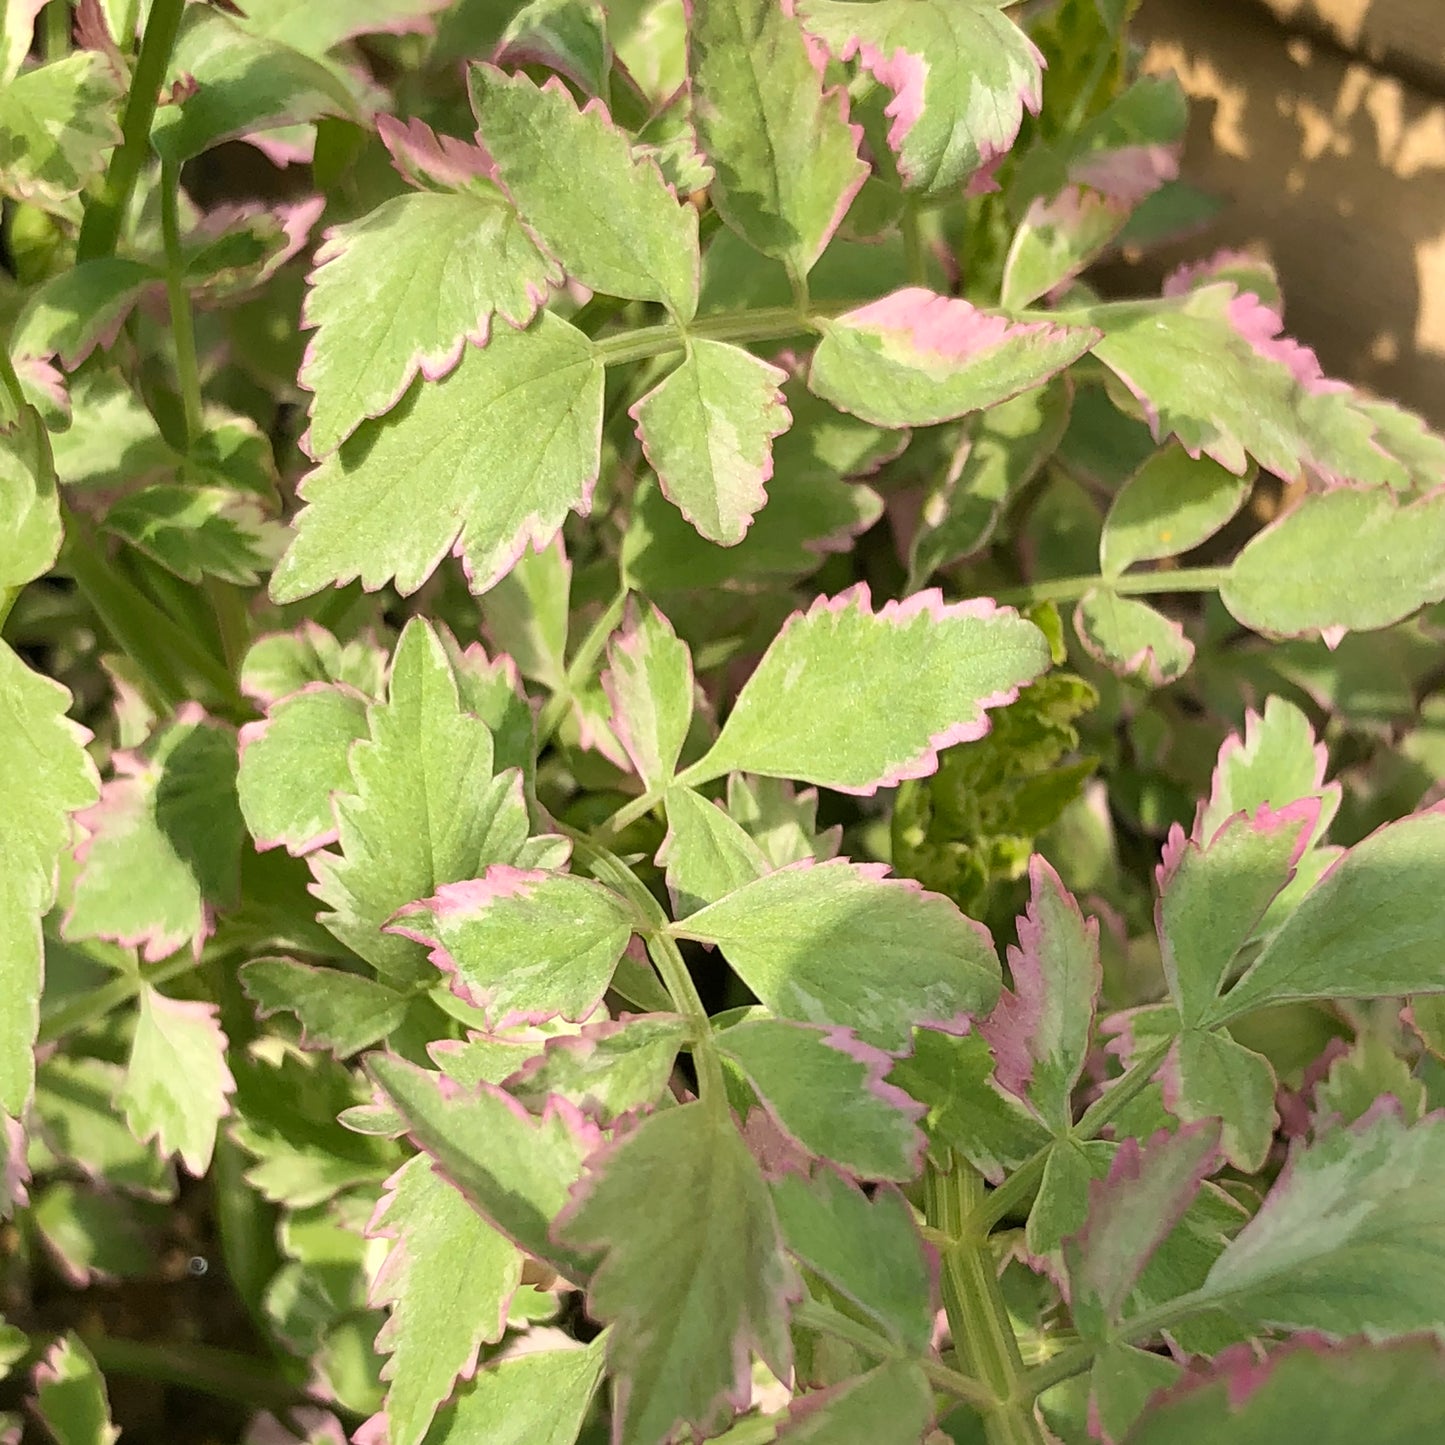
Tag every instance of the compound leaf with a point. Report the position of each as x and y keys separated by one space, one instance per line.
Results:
x=856 y=700
x=916 y=358
x=482 y=462
x=707 y=430
x=693 y=1274
x=405 y=289
x=839 y=943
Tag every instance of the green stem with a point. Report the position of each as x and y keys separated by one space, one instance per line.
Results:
x=183 y=331
x=579 y=670
x=824 y=1320
x=70 y=1017
x=629 y=813
x=55 y=31
x=100 y=230
x=1134 y=584
x=223 y=1373
x=915 y=263
x=982 y=1332
x=761 y=323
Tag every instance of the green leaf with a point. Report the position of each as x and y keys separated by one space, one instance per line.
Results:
x=70 y=1395
x=954 y=1078
x=515 y=1170
x=607 y=1069
x=523 y=944
x=693 y=1273
x=96 y=1235
x=1370 y=1071
x=1346 y=1239
x=425 y=809
x=71 y=314
x=243 y=83
x=177 y=1083
x=915 y=358
x=1309 y=1390
x=447 y=1278
x=294 y=762
x=57 y=126
x=1369 y=929
x=1039 y=1030
x=706 y=854
x=532 y=1399
x=163 y=850
x=1130 y=1215
x=857 y=700
x=480 y=463
x=1289 y=579
x=29 y=509
x=1132 y=638
x=608 y=216
x=782 y=821
x=281 y=663
x=17 y=30
x=1061 y=1207
x=649 y=683
x=1213 y=894
x=866 y=1247
x=1209 y=367
x=707 y=429
x=1121 y=1383
x=839 y=943
x=1211 y=1076
x=1168 y=507
x=785 y=158
x=961 y=75
x=197 y=532
x=405 y=289
x=1057 y=239
x=315 y=29
x=891 y=1405
x=1009 y=445
x=339 y=1011
x=801 y=1073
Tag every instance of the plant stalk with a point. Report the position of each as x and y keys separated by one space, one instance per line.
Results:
x=183 y=331
x=579 y=669
x=1133 y=584
x=761 y=323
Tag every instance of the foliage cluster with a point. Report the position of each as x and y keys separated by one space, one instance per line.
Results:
x=658 y=780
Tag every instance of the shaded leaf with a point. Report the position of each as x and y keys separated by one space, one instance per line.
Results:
x=813 y=942
x=315 y=29
x=70 y=1395
x=29 y=509
x=890 y=1405
x=856 y=699
x=706 y=854
x=693 y=1274
x=915 y=358
x=780 y=819
x=339 y=1011
x=707 y=429
x=404 y=290
x=1132 y=638
x=280 y=663
x=72 y=313
x=57 y=126
x=197 y=532
x=1211 y=1076
x=480 y=463
x=649 y=684
x=1122 y=1381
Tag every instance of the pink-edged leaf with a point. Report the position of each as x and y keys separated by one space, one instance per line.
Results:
x=961 y=74
x=785 y=157
x=448 y=1278
x=892 y=1404
x=1214 y=891
x=481 y=463
x=1307 y=1390
x=613 y=223
x=236 y=248
x=840 y=943
x=340 y=1011
x=280 y=663
x=866 y=1245
x=800 y=1072
x=1039 y=1031
x=523 y=944
x=915 y=358
x=707 y=429
x=176 y=1083
x=162 y=850
x=693 y=1276
x=1211 y=368
x=1057 y=238
x=528 y=613
x=569 y=38
x=1132 y=638
x=1131 y=1213
x=608 y=1069
x=316 y=29
x=1370 y=928
x=70 y=1396
x=294 y=761
x=428 y=161
x=1121 y=1383
x=855 y=699
x=1209 y=1075
x=649 y=682
x=514 y=1169
x=705 y=853
x=781 y=819
x=404 y=290
x=81 y=309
